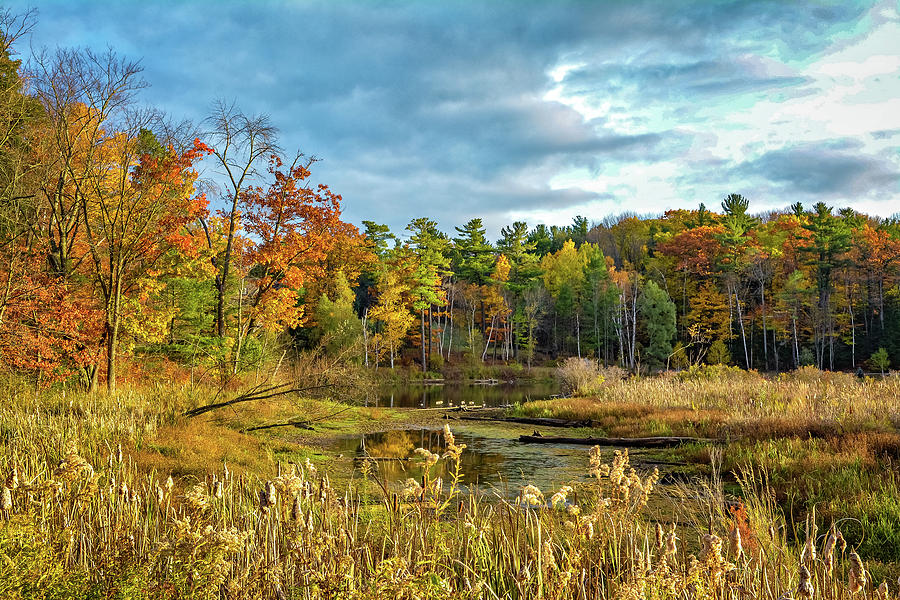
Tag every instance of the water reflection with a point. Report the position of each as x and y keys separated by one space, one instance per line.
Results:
x=486 y=462
x=459 y=394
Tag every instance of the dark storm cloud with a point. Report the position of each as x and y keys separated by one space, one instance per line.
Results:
x=826 y=170
x=441 y=108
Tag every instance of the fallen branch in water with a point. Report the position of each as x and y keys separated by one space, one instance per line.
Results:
x=253 y=394
x=295 y=423
x=647 y=442
x=546 y=422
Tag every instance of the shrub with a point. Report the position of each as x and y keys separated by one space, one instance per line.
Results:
x=579 y=377
x=880 y=360
x=435 y=362
x=718 y=354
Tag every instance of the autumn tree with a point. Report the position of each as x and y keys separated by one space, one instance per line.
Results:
x=240 y=143
x=133 y=207
x=293 y=225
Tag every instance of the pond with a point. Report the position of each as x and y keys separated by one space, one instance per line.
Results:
x=490 y=463
x=450 y=395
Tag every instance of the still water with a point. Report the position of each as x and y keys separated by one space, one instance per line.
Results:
x=460 y=394
x=496 y=464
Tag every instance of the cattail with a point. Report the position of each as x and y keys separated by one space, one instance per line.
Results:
x=857 y=573
x=660 y=537
x=123 y=491
x=6 y=499
x=882 y=591
x=828 y=549
x=804 y=586
x=296 y=510
x=169 y=484
x=670 y=549
x=547 y=557
x=712 y=548
x=217 y=489
x=271 y=493
x=263 y=501
x=808 y=556
x=12 y=481
x=160 y=494
x=736 y=546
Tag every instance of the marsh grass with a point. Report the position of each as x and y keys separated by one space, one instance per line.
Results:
x=120 y=497
x=105 y=528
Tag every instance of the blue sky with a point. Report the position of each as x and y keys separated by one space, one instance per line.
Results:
x=536 y=111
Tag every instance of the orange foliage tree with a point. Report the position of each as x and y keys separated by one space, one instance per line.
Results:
x=293 y=226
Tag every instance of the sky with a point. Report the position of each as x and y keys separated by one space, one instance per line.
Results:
x=534 y=111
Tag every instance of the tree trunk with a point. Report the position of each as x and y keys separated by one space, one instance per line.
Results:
x=112 y=338
x=430 y=332
x=578 y=334
x=422 y=338
x=762 y=293
x=737 y=302
x=226 y=265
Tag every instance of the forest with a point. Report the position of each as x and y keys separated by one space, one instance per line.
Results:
x=112 y=245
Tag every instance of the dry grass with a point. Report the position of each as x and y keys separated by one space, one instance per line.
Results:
x=727 y=402
x=105 y=529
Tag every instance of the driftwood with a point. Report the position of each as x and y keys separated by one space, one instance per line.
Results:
x=646 y=442
x=546 y=422
x=297 y=424
x=254 y=394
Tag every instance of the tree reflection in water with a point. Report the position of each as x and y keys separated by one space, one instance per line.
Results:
x=486 y=462
x=458 y=394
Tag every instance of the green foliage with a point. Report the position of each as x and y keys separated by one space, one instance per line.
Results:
x=473 y=257
x=718 y=354
x=880 y=360
x=807 y=357
x=338 y=327
x=658 y=311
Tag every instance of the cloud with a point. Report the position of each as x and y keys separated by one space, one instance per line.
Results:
x=530 y=110
x=827 y=170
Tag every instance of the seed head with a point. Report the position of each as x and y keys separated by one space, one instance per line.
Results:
x=804 y=586
x=736 y=546
x=12 y=481
x=296 y=510
x=858 y=575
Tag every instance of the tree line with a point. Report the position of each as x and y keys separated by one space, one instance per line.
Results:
x=802 y=286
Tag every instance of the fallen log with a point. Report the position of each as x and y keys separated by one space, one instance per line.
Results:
x=546 y=422
x=646 y=442
x=297 y=424
x=254 y=394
